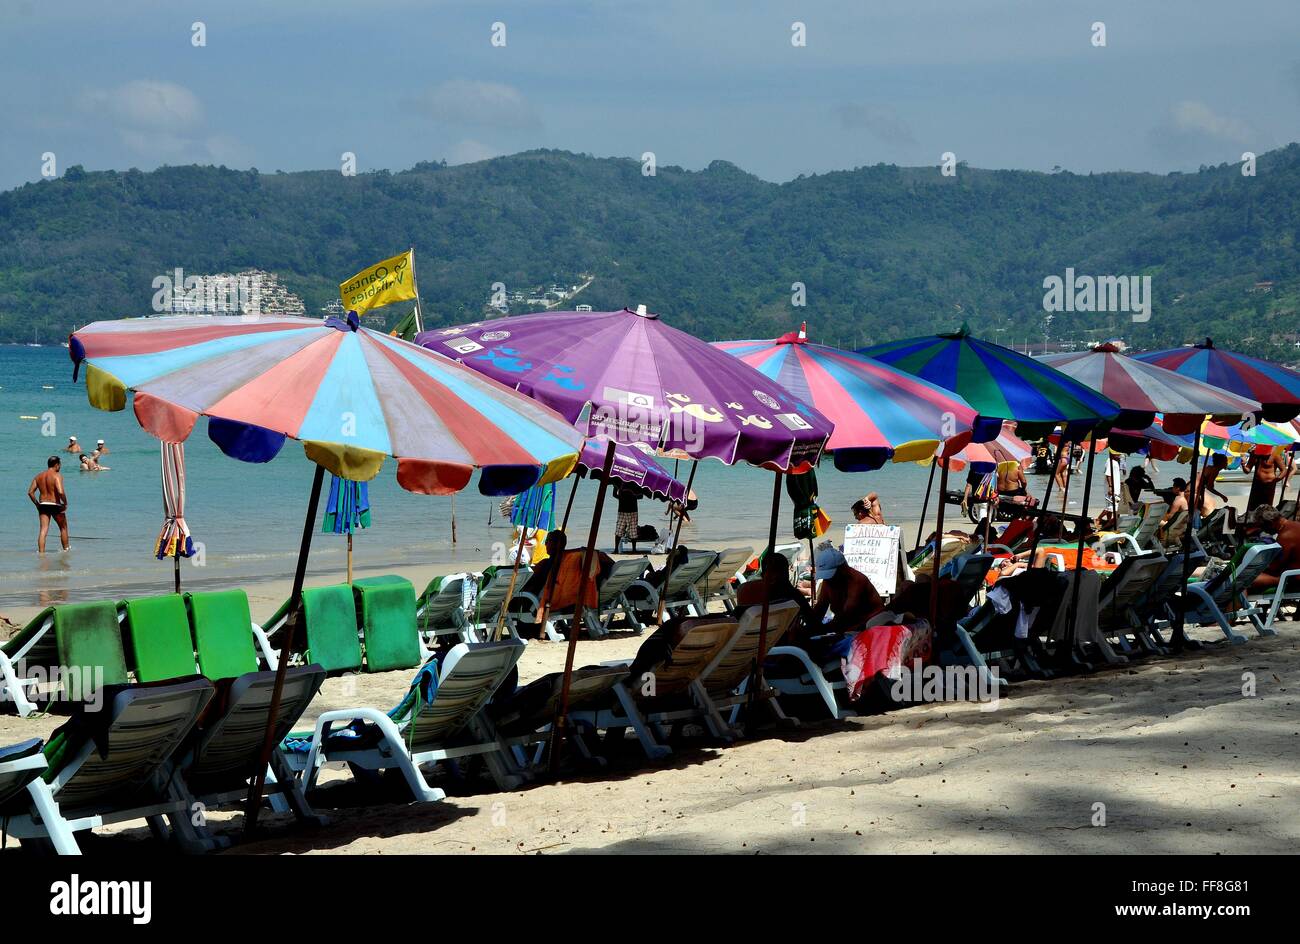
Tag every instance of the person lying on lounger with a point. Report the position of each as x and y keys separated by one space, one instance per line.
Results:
x=1270 y=521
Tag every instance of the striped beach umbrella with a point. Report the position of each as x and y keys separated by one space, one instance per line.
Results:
x=352 y=396
x=880 y=414
x=1275 y=387
x=1143 y=389
x=174 y=540
x=999 y=383
x=994 y=454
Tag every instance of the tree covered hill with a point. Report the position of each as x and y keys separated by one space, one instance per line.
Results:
x=883 y=251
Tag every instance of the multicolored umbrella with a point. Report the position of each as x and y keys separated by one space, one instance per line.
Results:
x=174 y=540
x=1275 y=387
x=1144 y=389
x=351 y=395
x=879 y=413
x=632 y=466
x=987 y=456
x=631 y=377
x=998 y=382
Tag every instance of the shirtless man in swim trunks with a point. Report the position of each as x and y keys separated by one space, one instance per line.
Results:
x=51 y=501
x=1268 y=470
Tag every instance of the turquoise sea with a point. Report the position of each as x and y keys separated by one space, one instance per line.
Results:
x=249 y=518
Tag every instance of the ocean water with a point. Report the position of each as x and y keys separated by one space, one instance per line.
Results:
x=249 y=518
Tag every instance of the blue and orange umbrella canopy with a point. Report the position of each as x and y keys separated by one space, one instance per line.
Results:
x=879 y=413
x=998 y=382
x=351 y=395
x=1274 y=386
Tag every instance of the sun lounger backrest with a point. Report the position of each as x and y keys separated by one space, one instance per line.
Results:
x=490 y=598
x=715 y=580
x=223 y=636
x=731 y=666
x=1175 y=530
x=158 y=639
x=385 y=607
x=228 y=748
x=621 y=576
x=1152 y=512
x=1132 y=581
x=330 y=617
x=147 y=724
x=441 y=601
x=1256 y=559
x=34 y=643
x=689 y=573
x=17 y=769
x=89 y=640
x=469 y=675
x=703 y=639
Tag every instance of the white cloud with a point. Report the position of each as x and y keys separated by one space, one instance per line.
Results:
x=1197 y=117
x=468 y=151
x=144 y=103
x=475 y=103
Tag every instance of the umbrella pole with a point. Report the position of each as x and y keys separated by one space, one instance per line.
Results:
x=453 y=521
x=938 y=550
x=925 y=505
x=677 y=533
x=1178 y=639
x=176 y=563
x=1065 y=656
x=349 y=557
x=573 y=493
x=588 y=553
x=514 y=575
x=286 y=649
x=756 y=683
x=1038 y=523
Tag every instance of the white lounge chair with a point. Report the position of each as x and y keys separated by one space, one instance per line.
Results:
x=1223 y=598
x=679 y=594
x=443 y=729
x=715 y=585
x=440 y=609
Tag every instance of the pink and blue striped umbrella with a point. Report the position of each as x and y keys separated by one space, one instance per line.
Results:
x=879 y=413
x=351 y=395
x=1274 y=386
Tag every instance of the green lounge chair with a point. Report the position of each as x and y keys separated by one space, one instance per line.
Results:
x=421 y=729
x=158 y=639
x=106 y=769
x=385 y=607
x=77 y=643
x=220 y=629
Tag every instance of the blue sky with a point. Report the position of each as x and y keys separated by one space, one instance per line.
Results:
x=291 y=85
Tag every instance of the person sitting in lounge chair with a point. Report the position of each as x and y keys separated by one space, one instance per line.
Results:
x=847 y=593
x=774 y=585
x=1270 y=521
x=1177 y=503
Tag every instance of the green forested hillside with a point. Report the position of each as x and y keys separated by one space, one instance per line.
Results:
x=884 y=251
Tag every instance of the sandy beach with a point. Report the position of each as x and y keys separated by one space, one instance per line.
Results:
x=1181 y=760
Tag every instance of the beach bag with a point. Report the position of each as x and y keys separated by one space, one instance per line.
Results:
x=647 y=534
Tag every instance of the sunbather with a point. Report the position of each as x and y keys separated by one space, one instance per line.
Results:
x=1270 y=520
x=847 y=593
x=1177 y=503
x=775 y=585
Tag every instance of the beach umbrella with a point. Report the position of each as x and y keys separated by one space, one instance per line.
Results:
x=1275 y=387
x=633 y=465
x=174 y=540
x=632 y=378
x=346 y=510
x=352 y=396
x=1000 y=383
x=880 y=414
x=994 y=455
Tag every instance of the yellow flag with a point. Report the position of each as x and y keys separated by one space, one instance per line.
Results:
x=392 y=280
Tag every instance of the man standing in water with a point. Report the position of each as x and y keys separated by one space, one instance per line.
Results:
x=51 y=501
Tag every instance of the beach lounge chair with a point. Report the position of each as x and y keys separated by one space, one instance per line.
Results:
x=1223 y=598
x=612 y=599
x=440 y=609
x=214 y=767
x=21 y=766
x=637 y=703
x=1121 y=593
x=73 y=648
x=1133 y=532
x=1286 y=594
x=220 y=627
x=1157 y=607
x=715 y=584
x=525 y=719
x=157 y=637
x=385 y=609
x=1174 y=531
x=432 y=724
x=680 y=592
x=482 y=614
x=104 y=767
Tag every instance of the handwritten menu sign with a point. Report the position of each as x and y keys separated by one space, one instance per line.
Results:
x=873 y=549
